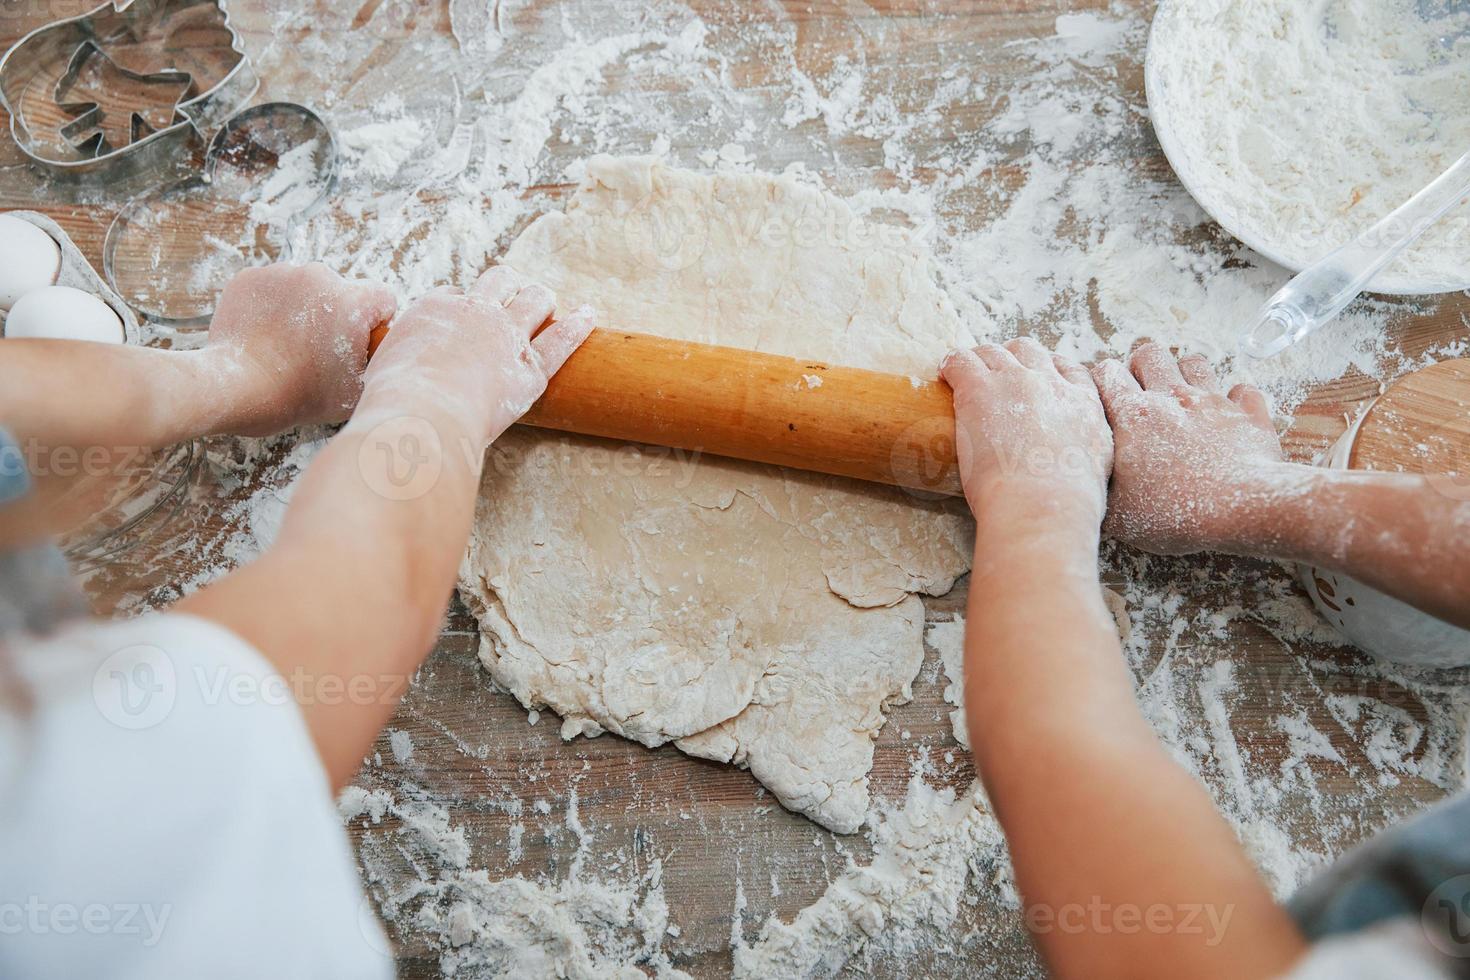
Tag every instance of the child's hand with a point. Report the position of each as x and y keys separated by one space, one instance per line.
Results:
x=1029 y=422
x=293 y=341
x=1189 y=459
x=482 y=356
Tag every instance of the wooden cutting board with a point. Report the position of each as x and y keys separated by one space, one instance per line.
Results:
x=1421 y=425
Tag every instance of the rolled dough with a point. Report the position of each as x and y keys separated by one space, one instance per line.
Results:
x=750 y=614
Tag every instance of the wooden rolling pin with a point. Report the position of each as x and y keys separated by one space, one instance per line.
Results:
x=721 y=401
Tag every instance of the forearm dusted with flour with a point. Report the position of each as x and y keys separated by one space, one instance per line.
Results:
x=349 y=600
x=1201 y=470
x=1041 y=647
x=1395 y=532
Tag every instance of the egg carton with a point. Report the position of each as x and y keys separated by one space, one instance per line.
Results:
x=78 y=273
x=132 y=87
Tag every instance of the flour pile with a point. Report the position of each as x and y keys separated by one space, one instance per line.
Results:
x=578 y=929
x=1304 y=168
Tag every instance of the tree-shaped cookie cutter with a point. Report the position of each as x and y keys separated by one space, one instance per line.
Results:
x=93 y=83
x=130 y=87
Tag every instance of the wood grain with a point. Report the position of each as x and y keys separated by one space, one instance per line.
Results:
x=1420 y=425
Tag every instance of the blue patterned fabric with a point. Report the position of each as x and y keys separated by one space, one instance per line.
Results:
x=1419 y=870
x=15 y=478
x=36 y=589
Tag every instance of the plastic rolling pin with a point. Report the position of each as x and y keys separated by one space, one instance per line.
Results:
x=1320 y=293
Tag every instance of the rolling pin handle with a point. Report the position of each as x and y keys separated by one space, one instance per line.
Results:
x=376 y=338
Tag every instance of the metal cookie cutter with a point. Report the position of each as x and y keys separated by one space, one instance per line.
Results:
x=171 y=251
x=91 y=80
x=130 y=87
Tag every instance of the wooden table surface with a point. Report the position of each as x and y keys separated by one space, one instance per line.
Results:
x=712 y=825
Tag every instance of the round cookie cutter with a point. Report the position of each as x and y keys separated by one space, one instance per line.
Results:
x=267 y=169
x=1219 y=203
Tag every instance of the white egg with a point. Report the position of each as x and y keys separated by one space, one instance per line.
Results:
x=63 y=313
x=29 y=259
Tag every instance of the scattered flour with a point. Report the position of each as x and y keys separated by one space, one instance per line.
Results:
x=402 y=744
x=378 y=150
x=1306 y=741
x=260 y=516
x=948 y=640
x=1089 y=257
x=356 y=803
x=577 y=929
x=924 y=856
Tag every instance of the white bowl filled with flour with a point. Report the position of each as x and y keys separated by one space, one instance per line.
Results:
x=1298 y=125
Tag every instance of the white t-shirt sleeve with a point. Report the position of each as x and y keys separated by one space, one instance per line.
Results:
x=1398 y=948
x=165 y=814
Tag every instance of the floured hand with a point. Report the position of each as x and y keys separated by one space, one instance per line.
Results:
x=1190 y=459
x=1030 y=422
x=291 y=342
x=483 y=356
